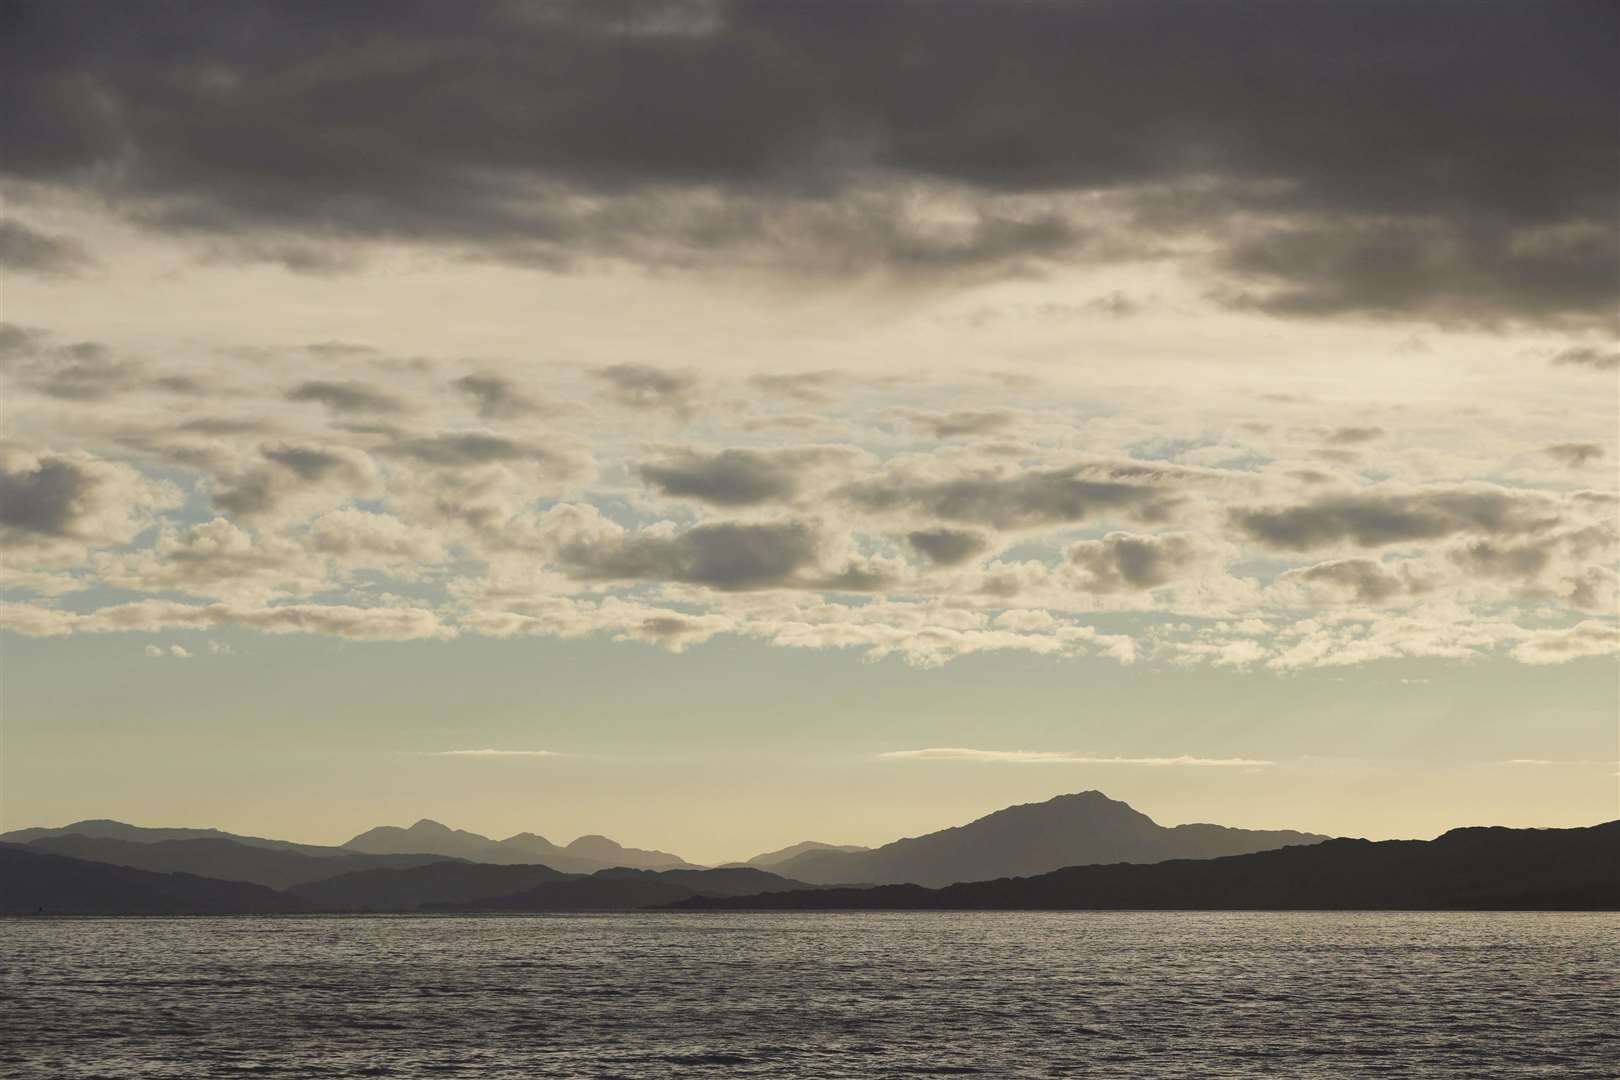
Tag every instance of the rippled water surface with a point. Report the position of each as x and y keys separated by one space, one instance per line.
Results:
x=814 y=995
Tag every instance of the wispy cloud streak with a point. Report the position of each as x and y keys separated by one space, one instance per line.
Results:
x=495 y=753
x=1057 y=757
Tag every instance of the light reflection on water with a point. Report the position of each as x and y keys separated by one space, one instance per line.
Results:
x=1106 y=994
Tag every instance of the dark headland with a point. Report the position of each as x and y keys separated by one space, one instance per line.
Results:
x=1464 y=869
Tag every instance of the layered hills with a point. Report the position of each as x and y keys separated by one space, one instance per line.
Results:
x=1033 y=838
x=583 y=855
x=1072 y=852
x=40 y=882
x=1069 y=830
x=219 y=857
x=768 y=859
x=1464 y=869
x=103 y=829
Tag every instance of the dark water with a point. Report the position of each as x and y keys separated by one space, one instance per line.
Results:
x=814 y=995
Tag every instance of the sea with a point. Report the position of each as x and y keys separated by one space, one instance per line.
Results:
x=814 y=994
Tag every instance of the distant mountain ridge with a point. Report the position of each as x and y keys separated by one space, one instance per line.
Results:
x=38 y=882
x=1474 y=869
x=228 y=860
x=1033 y=838
x=104 y=829
x=769 y=859
x=582 y=856
x=1464 y=869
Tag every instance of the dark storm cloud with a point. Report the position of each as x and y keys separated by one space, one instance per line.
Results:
x=339 y=350
x=346 y=397
x=671 y=630
x=84 y=371
x=808 y=386
x=947 y=547
x=80 y=370
x=726 y=556
x=1464 y=272
x=1454 y=159
x=1588 y=357
x=256 y=493
x=1488 y=559
x=312 y=260
x=224 y=425
x=496 y=397
x=1574 y=454
x=292 y=470
x=1021 y=500
x=28 y=251
x=45 y=500
x=1379 y=520
x=954 y=424
x=1121 y=562
x=18 y=341
x=643 y=386
x=305 y=462
x=1364 y=581
x=730 y=477
x=461 y=450
x=1350 y=436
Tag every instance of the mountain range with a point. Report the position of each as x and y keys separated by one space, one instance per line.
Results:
x=1033 y=838
x=103 y=829
x=781 y=855
x=423 y=842
x=223 y=857
x=39 y=882
x=1464 y=869
x=430 y=866
x=584 y=855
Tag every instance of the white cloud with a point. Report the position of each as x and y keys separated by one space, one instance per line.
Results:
x=1013 y=520
x=179 y=652
x=337 y=620
x=1587 y=638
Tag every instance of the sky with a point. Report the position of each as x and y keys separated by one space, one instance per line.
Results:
x=722 y=425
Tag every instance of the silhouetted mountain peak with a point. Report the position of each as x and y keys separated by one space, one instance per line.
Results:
x=588 y=853
x=107 y=829
x=1032 y=838
x=781 y=855
x=594 y=844
x=1085 y=810
x=1488 y=868
x=1090 y=803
